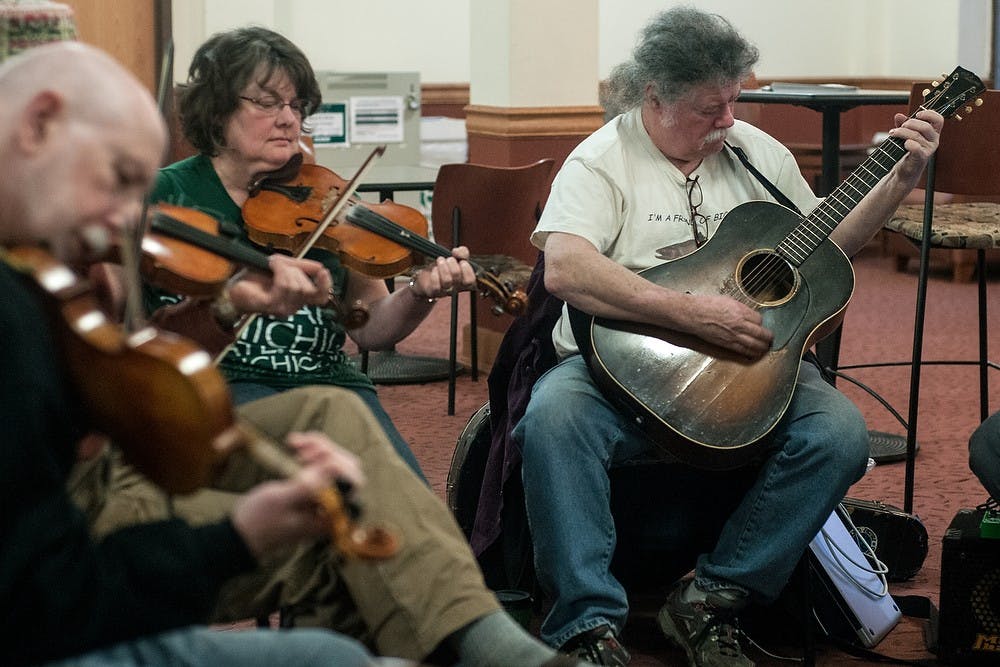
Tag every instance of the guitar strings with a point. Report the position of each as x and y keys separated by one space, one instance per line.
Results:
x=806 y=237
x=799 y=244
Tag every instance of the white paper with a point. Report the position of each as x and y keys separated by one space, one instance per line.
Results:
x=376 y=120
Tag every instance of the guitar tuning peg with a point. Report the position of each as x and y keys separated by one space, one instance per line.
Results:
x=958 y=118
x=925 y=92
x=979 y=102
x=968 y=109
x=944 y=76
x=935 y=84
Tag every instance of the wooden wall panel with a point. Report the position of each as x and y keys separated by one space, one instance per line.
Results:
x=132 y=32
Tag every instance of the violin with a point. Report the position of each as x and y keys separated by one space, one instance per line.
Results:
x=162 y=401
x=285 y=208
x=183 y=251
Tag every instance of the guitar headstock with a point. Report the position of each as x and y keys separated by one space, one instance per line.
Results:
x=954 y=91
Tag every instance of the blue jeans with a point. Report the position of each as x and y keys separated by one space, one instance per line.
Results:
x=764 y=516
x=984 y=454
x=244 y=392
x=201 y=646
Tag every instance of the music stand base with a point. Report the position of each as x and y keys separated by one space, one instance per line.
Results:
x=887 y=447
x=391 y=367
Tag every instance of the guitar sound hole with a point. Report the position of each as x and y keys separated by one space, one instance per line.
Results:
x=767 y=278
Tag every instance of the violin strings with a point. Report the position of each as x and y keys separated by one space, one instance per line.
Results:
x=369 y=220
x=376 y=223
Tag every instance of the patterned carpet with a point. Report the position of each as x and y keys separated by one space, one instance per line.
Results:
x=878 y=328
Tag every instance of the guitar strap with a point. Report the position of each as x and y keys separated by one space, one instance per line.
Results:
x=768 y=185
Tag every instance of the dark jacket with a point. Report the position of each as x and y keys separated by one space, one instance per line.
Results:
x=61 y=593
x=525 y=353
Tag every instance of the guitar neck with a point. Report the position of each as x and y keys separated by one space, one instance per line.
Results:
x=820 y=223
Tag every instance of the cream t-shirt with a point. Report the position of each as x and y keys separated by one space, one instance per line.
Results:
x=620 y=193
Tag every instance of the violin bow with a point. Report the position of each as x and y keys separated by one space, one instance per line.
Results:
x=338 y=205
x=132 y=245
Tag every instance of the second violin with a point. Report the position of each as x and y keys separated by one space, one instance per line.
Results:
x=283 y=213
x=378 y=240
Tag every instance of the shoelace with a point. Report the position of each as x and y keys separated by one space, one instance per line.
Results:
x=724 y=631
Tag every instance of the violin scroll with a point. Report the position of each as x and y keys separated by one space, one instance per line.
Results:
x=362 y=542
x=506 y=298
x=349 y=538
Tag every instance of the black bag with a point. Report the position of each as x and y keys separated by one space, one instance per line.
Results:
x=898 y=539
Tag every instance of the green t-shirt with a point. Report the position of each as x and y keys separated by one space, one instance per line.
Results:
x=306 y=348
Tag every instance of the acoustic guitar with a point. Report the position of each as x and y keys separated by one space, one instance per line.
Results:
x=709 y=407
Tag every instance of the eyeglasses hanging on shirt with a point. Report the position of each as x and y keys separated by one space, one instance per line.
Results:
x=699 y=222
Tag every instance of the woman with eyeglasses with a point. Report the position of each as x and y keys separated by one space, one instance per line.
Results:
x=248 y=93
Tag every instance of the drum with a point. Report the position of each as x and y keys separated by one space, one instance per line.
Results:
x=468 y=465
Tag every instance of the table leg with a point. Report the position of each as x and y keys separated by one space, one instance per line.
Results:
x=831 y=152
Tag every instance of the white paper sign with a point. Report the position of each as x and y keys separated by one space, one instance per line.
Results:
x=376 y=120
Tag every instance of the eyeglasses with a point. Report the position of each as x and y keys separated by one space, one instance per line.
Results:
x=699 y=222
x=272 y=106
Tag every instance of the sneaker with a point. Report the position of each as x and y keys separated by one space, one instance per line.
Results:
x=707 y=631
x=598 y=646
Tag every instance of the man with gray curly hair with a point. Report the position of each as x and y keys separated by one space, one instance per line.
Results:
x=654 y=184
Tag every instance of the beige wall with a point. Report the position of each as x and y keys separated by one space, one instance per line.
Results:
x=832 y=38
x=797 y=38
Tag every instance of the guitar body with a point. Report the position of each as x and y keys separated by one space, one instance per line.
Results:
x=704 y=405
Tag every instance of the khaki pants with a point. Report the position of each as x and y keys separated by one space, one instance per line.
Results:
x=404 y=606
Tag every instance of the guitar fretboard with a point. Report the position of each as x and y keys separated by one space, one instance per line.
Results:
x=802 y=241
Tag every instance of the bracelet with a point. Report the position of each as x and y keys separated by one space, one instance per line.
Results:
x=419 y=297
x=224 y=311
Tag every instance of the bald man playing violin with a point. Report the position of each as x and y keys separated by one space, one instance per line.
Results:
x=78 y=150
x=80 y=140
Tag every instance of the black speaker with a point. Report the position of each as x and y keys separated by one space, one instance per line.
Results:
x=968 y=630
